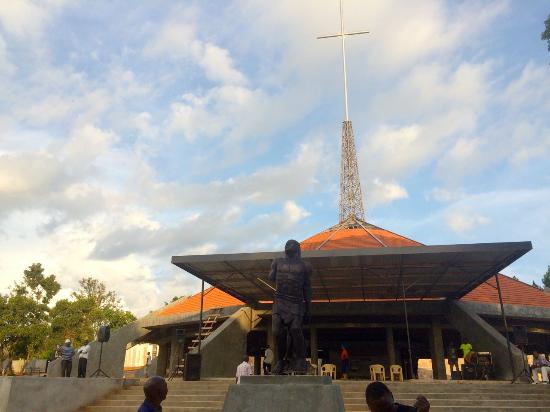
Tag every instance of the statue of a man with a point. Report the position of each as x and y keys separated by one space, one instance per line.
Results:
x=291 y=275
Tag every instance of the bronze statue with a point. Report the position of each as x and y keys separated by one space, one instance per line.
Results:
x=291 y=307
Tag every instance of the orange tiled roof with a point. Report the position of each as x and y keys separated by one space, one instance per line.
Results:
x=356 y=238
x=213 y=298
x=514 y=292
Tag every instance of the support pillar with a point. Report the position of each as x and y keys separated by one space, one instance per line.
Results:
x=270 y=340
x=437 y=350
x=390 y=346
x=313 y=345
x=162 y=359
x=175 y=352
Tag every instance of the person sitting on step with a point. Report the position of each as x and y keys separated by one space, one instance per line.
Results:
x=540 y=364
x=155 y=390
x=380 y=399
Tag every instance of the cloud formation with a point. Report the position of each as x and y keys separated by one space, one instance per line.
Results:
x=201 y=129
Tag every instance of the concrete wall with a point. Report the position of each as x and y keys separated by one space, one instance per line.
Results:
x=114 y=352
x=484 y=337
x=39 y=394
x=224 y=348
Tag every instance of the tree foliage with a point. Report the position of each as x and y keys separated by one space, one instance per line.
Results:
x=24 y=319
x=31 y=326
x=546 y=278
x=545 y=35
x=536 y=285
x=92 y=305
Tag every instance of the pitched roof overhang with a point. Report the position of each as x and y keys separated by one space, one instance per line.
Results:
x=425 y=272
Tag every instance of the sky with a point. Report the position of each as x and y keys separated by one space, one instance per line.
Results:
x=134 y=131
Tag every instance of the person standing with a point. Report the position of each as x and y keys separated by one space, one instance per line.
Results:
x=268 y=360
x=344 y=361
x=148 y=363
x=67 y=353
x=466 y=348
x=452 y=354
x=244 y=369
x=540 y=364
x=83 y=352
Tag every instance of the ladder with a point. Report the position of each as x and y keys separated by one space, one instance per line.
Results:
x=208 y=327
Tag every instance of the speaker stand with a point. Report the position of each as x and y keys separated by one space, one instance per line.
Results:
x=99 y=372
x=525 y=372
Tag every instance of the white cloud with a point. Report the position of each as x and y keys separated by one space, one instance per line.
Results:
x=464 y=221
x=86 y=144
x=173 y=39
x=380 y=193
x=27 y=19
x=294 y=213
x=6 y=67
x=218 y=65
x=442 y=194
x=22 y=18
x=178 y=40
x=216 y=140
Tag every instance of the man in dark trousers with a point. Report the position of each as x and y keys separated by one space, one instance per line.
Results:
x=67 y=353
x=83 y=352
x=155 y=390
x=292 y=302
x=380 y=399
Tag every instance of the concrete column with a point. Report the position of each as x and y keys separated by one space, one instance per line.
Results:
x=390 y=346
x=175 y=351
x=162 y=359
x=270 y=340
x=437 y=350
x=313 y=344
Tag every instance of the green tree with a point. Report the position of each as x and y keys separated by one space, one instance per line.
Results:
x=90 y=307
x=37 y=286
x=536 y=285
x=545 y=35
x=546 y=278
x=24 y=324
x=174 y=298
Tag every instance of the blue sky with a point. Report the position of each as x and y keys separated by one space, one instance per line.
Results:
x=129 y=134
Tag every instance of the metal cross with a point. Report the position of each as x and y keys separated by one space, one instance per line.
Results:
x=343 y=35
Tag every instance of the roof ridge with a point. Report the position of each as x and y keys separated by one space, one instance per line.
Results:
x=353 y=223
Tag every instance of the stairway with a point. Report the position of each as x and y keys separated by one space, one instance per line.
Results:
x=451 y=396
x=183 y=396
x=208 y=327
x=455 y=396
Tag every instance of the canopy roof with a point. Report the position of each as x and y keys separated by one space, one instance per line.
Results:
x=426 y=272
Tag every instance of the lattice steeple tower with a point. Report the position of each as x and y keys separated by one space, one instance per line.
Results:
x=352 y=211
x=351 y=196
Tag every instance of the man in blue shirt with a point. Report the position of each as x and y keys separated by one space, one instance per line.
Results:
x=67 y=353
x=155 y=390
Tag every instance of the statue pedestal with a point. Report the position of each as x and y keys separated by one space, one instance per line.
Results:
x=284 y=394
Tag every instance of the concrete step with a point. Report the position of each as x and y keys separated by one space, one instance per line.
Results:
x=470 y=409
x=465 y=402
x=451 y=396
x=218 y=397
x=167 y=402
x=164 y=409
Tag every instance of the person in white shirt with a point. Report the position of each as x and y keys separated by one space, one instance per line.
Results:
x=540 y=364
x=244 y=369
x=83 y=352
x=148 y=364
x=268 y=360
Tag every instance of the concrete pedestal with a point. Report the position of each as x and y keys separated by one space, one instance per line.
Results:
x=284 y=394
